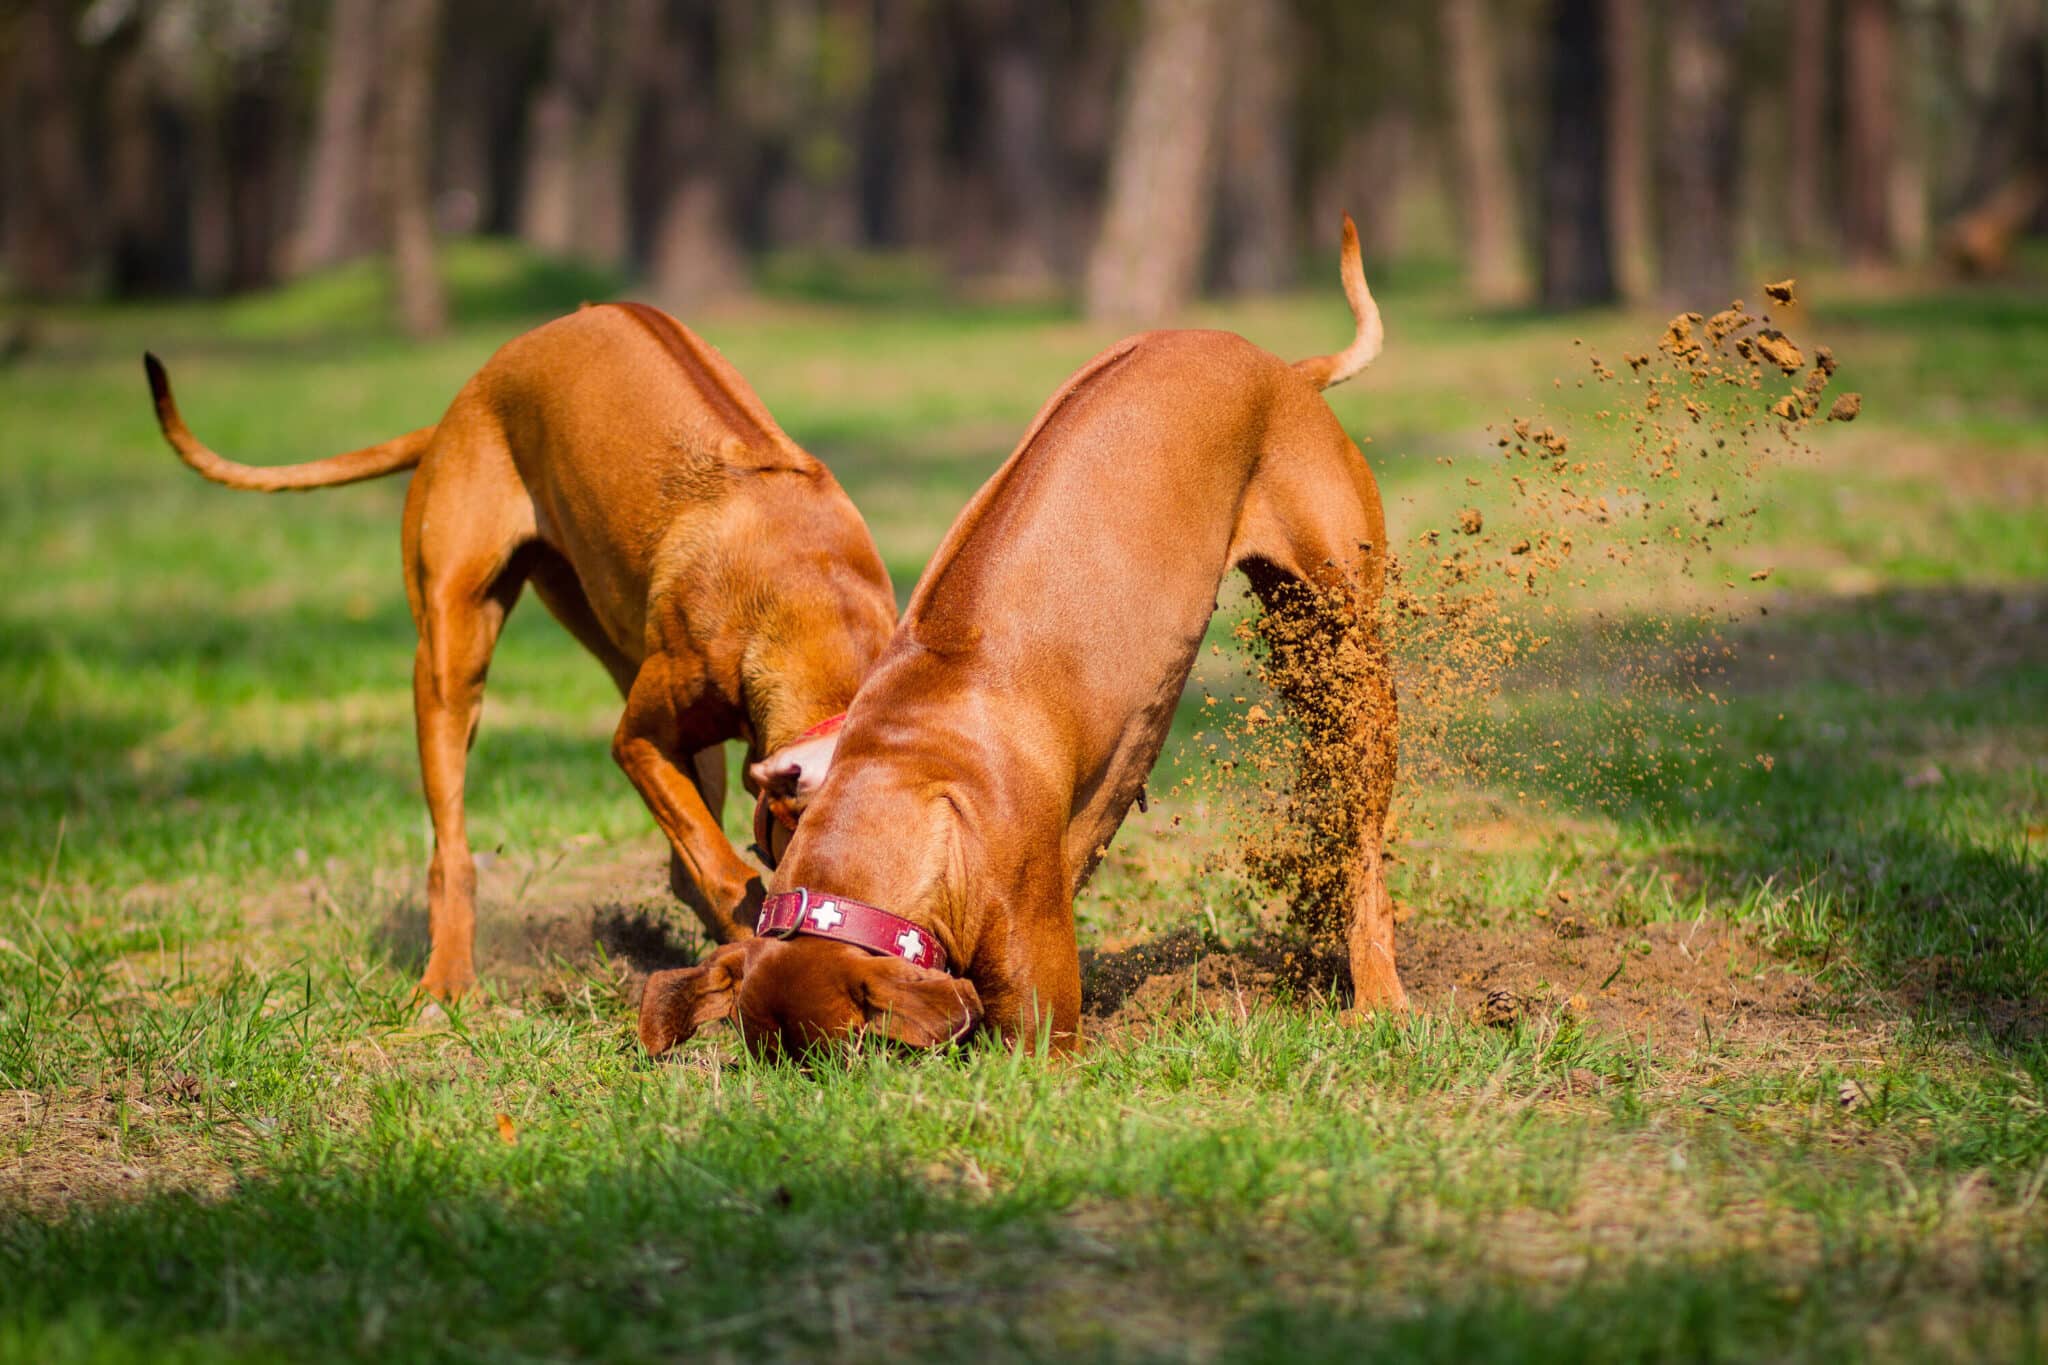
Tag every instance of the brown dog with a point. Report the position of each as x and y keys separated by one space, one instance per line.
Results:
x=619 y=465
x=992 y=753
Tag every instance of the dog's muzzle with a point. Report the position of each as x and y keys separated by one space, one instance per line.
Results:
x=771 y=810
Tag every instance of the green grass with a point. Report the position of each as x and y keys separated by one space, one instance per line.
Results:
x=223 y=1134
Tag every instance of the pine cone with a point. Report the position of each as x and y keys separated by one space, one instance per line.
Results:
x=1500 y=1008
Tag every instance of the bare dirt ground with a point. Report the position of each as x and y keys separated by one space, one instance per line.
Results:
x=1667 y=985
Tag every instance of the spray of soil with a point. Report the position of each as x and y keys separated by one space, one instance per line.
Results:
x=1582 y=564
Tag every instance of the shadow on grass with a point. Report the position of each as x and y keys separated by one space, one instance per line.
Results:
x=739 y=1245
x=1880 y=763
x=513 y=939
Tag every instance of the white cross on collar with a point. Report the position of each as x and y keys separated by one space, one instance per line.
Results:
x=911 y=944
x=827 y=915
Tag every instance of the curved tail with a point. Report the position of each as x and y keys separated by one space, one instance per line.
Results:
x=1325 y=370
x=370 y=462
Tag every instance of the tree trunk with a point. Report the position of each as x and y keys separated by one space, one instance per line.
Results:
x=1806 y=112
x=1020 y=148
x=2003 y=182
x=1628 y=161
x=691 y=254
x=1367 y=178
x=604 y=216
x=258 y=180
x=561 y=107
x=1093 y=49
x=1255 y=199
x=213 y=222
x=1909 y=189
x=1155 y=225
x=404 y=141
x=147 y=182
x=1578 y=269
x=1869 y=136
x=1484 y=176
x=467 y=85
x=48 y=196
x=899 y=128
x=1702 y=153
x=338 y=216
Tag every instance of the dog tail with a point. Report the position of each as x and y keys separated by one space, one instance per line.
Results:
x=1325 y=370
x=371 y=462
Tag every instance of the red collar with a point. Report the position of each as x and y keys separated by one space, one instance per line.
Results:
x=803 y=911
x=823 y=727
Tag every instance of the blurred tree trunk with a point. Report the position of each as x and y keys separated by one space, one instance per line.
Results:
x=691 y=254
x=603 y=216
x=213 y=226
x=1255 y=192
x=48 y=195
x=1093 y=49
x=338 y=216
x=2003 y=183
x=404 y=141
x=1148 y=256
x=1020 y=149
x=147 y=181
x=898 y=176
x=1702 y=152
x=256 y=156
x=1484 y=176
x=1367 y=178
x=1869 y=133
x=478 y=100
x=1919 y=54
x=1628 y=161
x=561 y=107
x=1806 y=112
x=1578 y=268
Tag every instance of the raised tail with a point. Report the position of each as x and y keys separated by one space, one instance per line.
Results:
x=1325 y=370
x=371 y=462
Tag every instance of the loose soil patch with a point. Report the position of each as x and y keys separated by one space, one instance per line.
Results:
x=1663 y=985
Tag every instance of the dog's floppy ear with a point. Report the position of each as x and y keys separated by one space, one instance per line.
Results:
x=675 y=1004
x=915 y=1005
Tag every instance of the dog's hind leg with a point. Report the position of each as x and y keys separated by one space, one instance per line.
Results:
x=1312 y=543
x=466 y=519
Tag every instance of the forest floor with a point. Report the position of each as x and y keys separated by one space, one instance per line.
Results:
x=1712 y=1056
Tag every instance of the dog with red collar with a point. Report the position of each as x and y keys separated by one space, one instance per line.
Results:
x=991 y=754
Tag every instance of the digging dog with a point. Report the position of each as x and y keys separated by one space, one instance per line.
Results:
x=619 y=466
x=993 y=751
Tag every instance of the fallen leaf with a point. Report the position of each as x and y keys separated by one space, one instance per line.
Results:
x=508 y=1132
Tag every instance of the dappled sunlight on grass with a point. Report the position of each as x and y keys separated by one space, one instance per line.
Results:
x=1730 y=1038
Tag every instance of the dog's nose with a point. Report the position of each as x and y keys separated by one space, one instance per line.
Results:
x=772 y=777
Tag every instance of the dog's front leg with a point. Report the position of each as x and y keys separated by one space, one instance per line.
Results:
x=651 y=735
